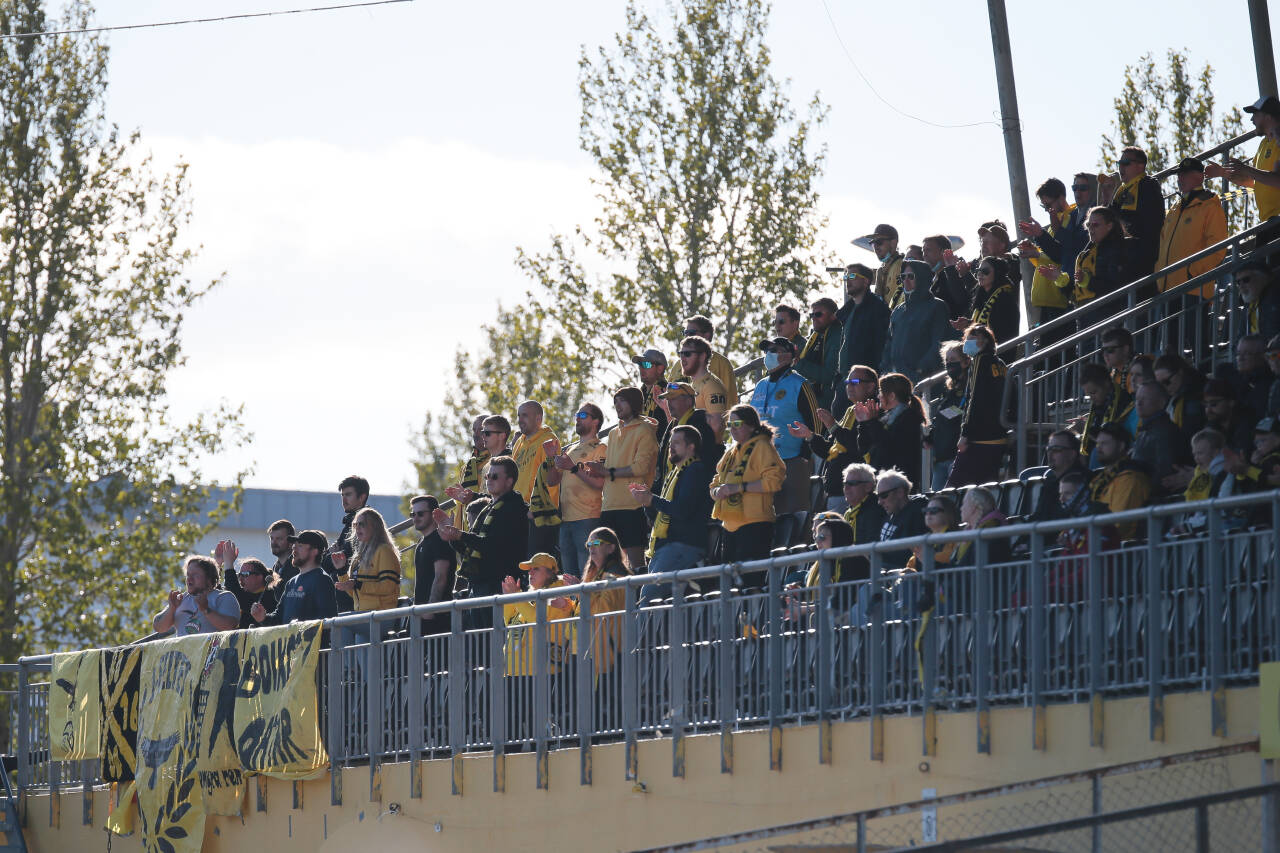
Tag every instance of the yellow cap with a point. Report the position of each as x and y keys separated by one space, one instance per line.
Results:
x=543 y=561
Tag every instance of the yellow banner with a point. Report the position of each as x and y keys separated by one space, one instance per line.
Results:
x=169 y=802
x=119 y=697
x=217 y=763
x=1269 y=712
x=75 y=712
x=277 y=719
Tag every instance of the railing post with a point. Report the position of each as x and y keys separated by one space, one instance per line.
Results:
x=1215 y=610
x=498 y=733
x=1275 y=573
x=586 y=652
x=541 y=690
x=630 y=685
x=1024 y=414
x=414 y=674
x=982 y=676
x=1095 y=830
x=1038 y=643
x=337 y=716
x=876 y=657
x=457 y=698
x=774 y=604
x=1154 y=630
x=929 y=660
x=822 y=632
x=727 y=684
x=373 y=712
x=24 y=729
x=678 y=668
x=1097 y=634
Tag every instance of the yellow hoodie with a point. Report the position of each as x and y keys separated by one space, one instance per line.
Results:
x=755 y=459
x=630 y=445
x=521 y=619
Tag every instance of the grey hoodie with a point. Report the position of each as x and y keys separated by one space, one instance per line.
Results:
x=917 y=328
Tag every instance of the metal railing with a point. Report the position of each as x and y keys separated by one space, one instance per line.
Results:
x=1167 y=613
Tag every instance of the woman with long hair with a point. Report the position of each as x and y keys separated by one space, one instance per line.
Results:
x=373 y=574
x=982 y=432
x=604 y=562
x=995 y=300
x=748 y=475
x=947 y=407
x=1105 y=263
x=890 y=427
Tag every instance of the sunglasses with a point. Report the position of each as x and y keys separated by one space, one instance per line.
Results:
x=1080 y=188
x=688 y=353
x=886 y=493
x=853 y=382
x=853 y=276
x=490 y=432
x=849 y=484
x=734 y=424
x=493 y=475
x=646 y=365
x=244 y=574
x=692 y=333
x=932 y=510
x=816 y=314
x=582 y=416
x=1125 y=162
x=594 y=543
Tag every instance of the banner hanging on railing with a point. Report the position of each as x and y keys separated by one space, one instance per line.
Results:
x=75 y=708
x=217 y=762
x=118 y=693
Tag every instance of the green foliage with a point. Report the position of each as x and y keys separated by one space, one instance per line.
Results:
x=96 y=501
x=707 y=206
x=1170 y=114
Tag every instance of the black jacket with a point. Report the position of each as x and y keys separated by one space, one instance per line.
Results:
x=689 y=507
x=1267 y=312
x=345 y=602
x=268 y=598
x=1160 y=445
x=896 y=445
x=495 y=545
x=1252 y=389
x=709 y=451
x=1143 y=224
x=308 y=595
x=984 y=394
x=952 y=289
x=944 y=431
x=833 y=469
x=1048 y=508
x=1114 y=268
x=1002 y=313
x=865 y=326
x=908 y=522
x=1061 y=243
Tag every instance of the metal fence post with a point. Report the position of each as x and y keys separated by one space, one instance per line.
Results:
x=1097 y=634
x=929 y=661
x=822 y=630
x=727 y=684
x=630 y=687
x=1215 y=610
x=414 y=674
x=24 y=729
x=457 y=698
x=585 y=672
x=774 y=610
x=498 y=733
x=982 y=669
x=1038 y=643
x=1154 y=630
x=541 y=690
x=374 y=709
x=336 y=716
x=1274 y=615
x=678 y=669
x=876 y=657
x=1095 y=830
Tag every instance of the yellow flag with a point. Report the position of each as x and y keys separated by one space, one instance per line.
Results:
x=217 y=764
x=277 y=720
x=75 y=712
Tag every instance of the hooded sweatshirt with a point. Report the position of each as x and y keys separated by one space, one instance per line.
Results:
x=917 y=327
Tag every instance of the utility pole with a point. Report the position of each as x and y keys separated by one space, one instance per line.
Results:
x=1012 y=127
x=1264 y=58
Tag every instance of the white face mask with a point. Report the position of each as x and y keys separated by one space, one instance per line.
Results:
x=771 y=361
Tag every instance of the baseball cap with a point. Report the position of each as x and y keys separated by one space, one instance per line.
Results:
x=994 y=225
x=653 y=355
x=770 y=343
x=1268 y=104
x=541 y=560
x=882 y=230
x=1189 y=164
x=677 y=389
x=314 y=538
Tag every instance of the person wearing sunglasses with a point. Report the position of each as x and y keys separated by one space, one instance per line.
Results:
x=819 y=358
x=680 y=510
x=884 y=245
x=435 y=564
x=983 y=435
x=533 y=450
x=1139 y=203
x=839 y=446
x=1260 y=296
x=903 y=514
x=917 y=327
x=748 y=476
x=1196 y=222
x=864 y=323
x=679 y=398
x=1061 y=239
x=698 y=326
x=495 y=431
x=1062 y=455
x=786 y=324
x=653 y=379
x=580 y=487
x=944 y=282
x=995 y=300
x=468 y=477
x=1105 y=264
x=604 y=562
x=251 y=583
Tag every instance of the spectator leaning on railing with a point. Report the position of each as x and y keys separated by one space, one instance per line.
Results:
x=202 y=608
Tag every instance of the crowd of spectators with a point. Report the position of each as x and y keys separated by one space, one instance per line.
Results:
x=689 y=475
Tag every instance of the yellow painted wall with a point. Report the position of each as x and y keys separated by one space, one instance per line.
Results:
x=611 y=814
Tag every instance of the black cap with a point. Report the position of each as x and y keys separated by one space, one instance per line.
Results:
x=314 y=538
x=769 y=343
x=1268 y=104
x=882 y=230
x=1189 y=164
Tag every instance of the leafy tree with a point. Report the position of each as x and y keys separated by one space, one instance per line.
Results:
x=707 y=206
x=1170 y=113
x=96 y=495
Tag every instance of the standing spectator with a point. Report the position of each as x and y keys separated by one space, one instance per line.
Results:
x=783 y=397
x=889 y=430
x=1063 y=237
x=995 y=303
x=819 y=360
x=1185 y=385
x=1263 y=174
x=884 y=245
x=252 y=584
x=469 y=476
x=278 y=538
x=1249 y=376
x=630 y=457
x=532 y=448
x=1108 y=403
x=709 y=392
x=1117 y=355
x=1140 y=205
x=1195 y=223
x=699 y=326
x=947 y=407
x=493 y=438
x=309 y=594
x=679 y=398
x=1063 y=455
x=203 y=608
x=903 y=514
x=916 y=327
x=373 y=580
x=1159 y=445
x=653 y=381
x=353 y=491
x=983 y=436
x=749 y=474
x=580 y=487
x=1104 y=265
x=1225 y=414
x=1120 y=483
x=434 y=563
x=945 y=284
x=786 y=324
x=497 y=541
x=864 y=319
x=1260 y=298
x=682 y=507
x=604 y=562
x=1048 y=296
x=521 y=652
x=840 y=446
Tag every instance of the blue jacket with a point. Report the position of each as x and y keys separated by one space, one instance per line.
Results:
x=917 y=328
x=782 y=400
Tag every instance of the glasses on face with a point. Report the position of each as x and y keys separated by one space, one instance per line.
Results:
x=1123 y=163
x=853 y=276
x=1080 y=188
x=853 y=484
x=1048 y=207
x=692 y=333
x=822 y=536
x=853 y=382
x=646 y=365
x=734 y=424
x=1110 y=349
x=582 y=416
x=688 y=353
x=814 y=315
x=594 y=543
x=488 y=432
x=493 y=475
x=882 y=495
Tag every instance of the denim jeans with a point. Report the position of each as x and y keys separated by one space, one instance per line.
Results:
x=573 y=544
x=671 y=557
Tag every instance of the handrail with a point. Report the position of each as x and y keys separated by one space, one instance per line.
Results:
x=1009 y=531
x=1211 y=152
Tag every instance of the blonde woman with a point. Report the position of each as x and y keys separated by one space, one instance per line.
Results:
x=373 y=577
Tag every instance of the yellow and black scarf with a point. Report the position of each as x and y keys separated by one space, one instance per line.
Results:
x=736 y=467
x=473 y=556
x=469 y=478
x=983 y=314
x=1086 y=268
x=662 y=523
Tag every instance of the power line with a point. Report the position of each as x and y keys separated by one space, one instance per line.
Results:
x=835 y=31
x=219 y=19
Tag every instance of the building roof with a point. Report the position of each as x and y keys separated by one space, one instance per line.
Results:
x=307 y=510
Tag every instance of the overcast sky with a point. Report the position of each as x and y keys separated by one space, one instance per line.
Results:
x=361 y=178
